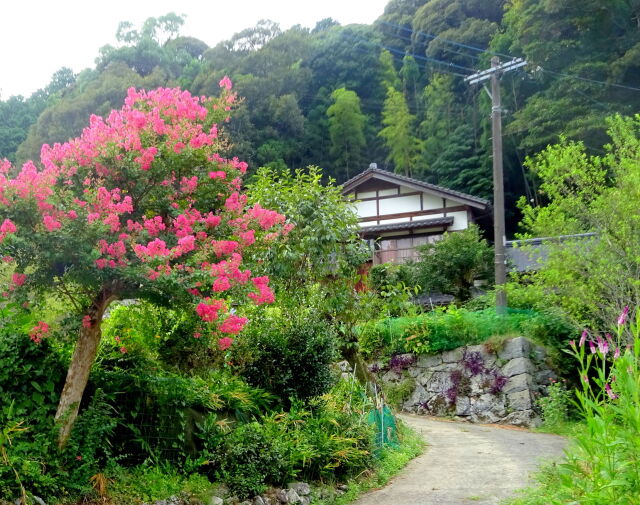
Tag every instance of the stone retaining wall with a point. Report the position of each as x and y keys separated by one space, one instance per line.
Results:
x=474 y=383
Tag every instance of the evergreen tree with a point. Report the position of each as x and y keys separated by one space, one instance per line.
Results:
x=398 y=133
x=462 y=166
x=410 y=75
x=388 y=73
x=470 y=22
x=438 y=123
x=346 y=130
x=591 y=39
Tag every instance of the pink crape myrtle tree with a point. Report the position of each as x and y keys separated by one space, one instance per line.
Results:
x=141 y=205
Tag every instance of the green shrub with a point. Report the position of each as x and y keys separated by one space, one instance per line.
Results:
x=370 y=337
x=390 y=460
x=248 y=460
x=394 y=286
x=289 y=356
x=555 y=406
x=331 y=439
x=340 y=432
x=149 y=483
x=549 y=327
x=391 y=274
x=159 y=413
x=155 y=336
x=451 y=327
x=131 y=419
x=31 y=374
x=34 y=462
x=452 y=264
x=520 y=295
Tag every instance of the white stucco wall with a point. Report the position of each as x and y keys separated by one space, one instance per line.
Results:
x=459 y=220
x=399 y=204
x=366 y=194
x=431 y=201
x=366 y=209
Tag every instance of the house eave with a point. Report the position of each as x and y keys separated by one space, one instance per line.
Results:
x=383 y=175
x=408 y=225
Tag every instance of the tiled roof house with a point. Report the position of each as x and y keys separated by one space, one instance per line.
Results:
x=398 y=213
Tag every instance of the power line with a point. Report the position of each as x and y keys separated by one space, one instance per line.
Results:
x=493 y=53
x=447 y=64
x=417 y=56
x=448 y=41
x=466 y=55
x=603 y=105
x=593 y=81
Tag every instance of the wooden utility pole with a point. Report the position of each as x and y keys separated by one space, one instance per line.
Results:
x=494 y=73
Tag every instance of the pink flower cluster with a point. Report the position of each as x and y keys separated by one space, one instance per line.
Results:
x=6 y=228
x=230 y=268
x=264 y=294
x=224 y=247
x=224 y=343
x=233 y=324
x=154 y=225
x=209 y=309
x=115 y=253
x=155 y=248
x=225 y=82
x=50 y=223
x=141 y=182
x=39 y=331
x=17 y=280
x=266 y=218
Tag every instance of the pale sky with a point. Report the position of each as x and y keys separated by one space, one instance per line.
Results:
x=39 y=37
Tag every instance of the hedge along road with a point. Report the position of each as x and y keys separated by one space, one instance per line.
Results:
x=467 y=464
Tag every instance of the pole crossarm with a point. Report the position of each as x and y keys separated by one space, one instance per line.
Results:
x=502 y=68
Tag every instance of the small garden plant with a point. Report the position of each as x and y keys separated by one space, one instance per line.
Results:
x=555 y=405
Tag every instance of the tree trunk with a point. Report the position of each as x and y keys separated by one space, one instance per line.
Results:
x=364 y=376
x=78 y=374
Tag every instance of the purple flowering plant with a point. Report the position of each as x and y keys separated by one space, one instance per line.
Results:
x=400 y=362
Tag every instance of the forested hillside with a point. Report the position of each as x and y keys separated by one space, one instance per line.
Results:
x=393 y=93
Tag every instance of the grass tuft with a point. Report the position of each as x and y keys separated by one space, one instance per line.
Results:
x=388 y=465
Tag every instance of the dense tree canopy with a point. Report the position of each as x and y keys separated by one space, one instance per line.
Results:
x=592 y=277
x=583 y=66
x=324 y=243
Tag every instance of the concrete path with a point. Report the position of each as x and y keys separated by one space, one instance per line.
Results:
x=466 y=464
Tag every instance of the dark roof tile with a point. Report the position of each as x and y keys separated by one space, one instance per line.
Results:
x=408 y=225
